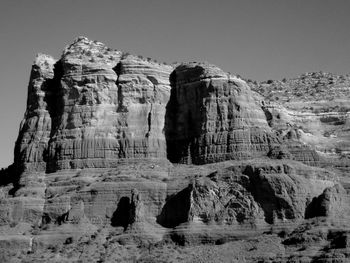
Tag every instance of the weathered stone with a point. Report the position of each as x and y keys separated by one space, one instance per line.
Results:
x=333 y=202
x=212 y=117
x=91 y=167
x=91 y=108
x=35 y=129
x=317 y=106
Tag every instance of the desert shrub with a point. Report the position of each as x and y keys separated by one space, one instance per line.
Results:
x=53 y=248
x=68 y=241
x=13 y=224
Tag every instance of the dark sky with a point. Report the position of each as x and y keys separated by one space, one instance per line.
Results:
x=258 y=39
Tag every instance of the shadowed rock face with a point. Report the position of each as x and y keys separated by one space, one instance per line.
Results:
x=331 y=203
x=212 y=117
x=35 y=129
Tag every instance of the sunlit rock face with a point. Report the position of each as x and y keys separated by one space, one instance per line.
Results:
x=92 y=108
x=213 y=117
x=92 y=171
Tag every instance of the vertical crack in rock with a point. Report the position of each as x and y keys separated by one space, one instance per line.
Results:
x=31 y=150
x=117 y=70
x=54 y=99
x=149 y=121
x=171 y=122
x=268 y=115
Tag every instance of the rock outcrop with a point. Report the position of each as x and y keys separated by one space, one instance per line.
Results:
x=35 y=129
x=315 y=107
x=243 y=199
x=333 y=202
x=117 y=152
x=92 y=108
x=212 y=117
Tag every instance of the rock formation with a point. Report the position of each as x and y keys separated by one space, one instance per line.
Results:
x=35 y=129
x=92 y=108
x=315 y=107
x=213 y=117
x=120 y=156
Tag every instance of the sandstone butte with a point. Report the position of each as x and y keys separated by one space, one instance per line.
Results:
x=124 y=159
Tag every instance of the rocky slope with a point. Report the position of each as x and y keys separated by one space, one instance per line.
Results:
x=122 y=159
x=213 y=117
x=315 y=106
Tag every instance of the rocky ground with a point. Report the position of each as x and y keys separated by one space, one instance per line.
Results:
x=124 y=159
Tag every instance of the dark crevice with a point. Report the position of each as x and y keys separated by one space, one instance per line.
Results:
x=54 y=100
x=8 y=176
x=312 y=209
x=179 y=150
x=171 y=123
x=176 y=209
x=149 y=121
x=184 y=125
x=53 y=97
x=121 y=107
x=265 y=196
x=262 y=198
x=123 y=215
x=268 y=115
x=62 y=218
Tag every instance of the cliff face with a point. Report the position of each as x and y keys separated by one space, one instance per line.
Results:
x=91 y=108
x=35 y=129
x=96 y=106
x=213 y=117
x=116 y=149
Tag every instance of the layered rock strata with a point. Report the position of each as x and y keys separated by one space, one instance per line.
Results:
x=91 y=108
x=243 y=199
x=316 y=106
x=212 y=117
x=35 y=129
x=92 y=163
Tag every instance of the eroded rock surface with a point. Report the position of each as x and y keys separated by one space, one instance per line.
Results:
x=213 y=117
x=119 y=157
x=315 y=107
x=35 y=129
x=91 y=108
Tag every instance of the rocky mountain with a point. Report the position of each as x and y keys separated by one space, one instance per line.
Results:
x=124 y=159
